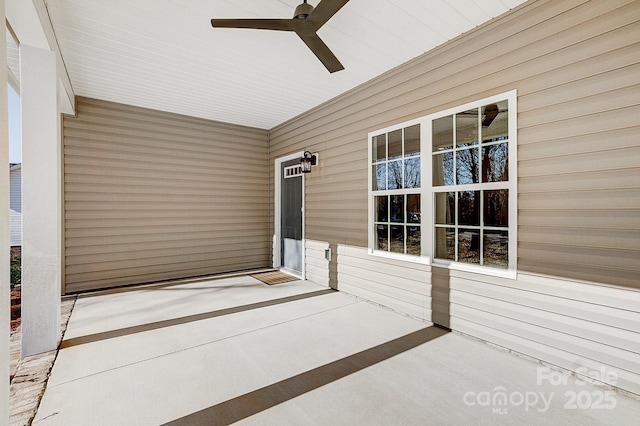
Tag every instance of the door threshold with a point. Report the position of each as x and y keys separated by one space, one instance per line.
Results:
x=291 y=272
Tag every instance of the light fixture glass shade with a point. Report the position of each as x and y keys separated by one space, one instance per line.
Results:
x=306 y=165
x=308 y=159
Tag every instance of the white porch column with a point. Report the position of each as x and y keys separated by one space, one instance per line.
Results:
x=41 y=213
x=5 y=313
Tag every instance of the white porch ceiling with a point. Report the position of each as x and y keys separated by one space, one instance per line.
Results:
x=164 y=54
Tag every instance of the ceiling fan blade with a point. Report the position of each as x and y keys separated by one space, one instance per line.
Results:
x=256 y=24
x=322 y=51
x=324 y=11
x=490 y=113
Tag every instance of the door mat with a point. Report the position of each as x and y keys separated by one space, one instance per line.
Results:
x=274 y=277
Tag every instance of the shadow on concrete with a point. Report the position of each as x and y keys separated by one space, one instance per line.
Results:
x=251 y=403
x=186 y=319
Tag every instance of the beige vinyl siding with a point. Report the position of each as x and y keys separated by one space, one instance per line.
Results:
x=575 y=65
x=152 y=196
x=402 y=286
x=335 y=196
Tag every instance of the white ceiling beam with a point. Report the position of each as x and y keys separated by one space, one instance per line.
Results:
x=30 y=22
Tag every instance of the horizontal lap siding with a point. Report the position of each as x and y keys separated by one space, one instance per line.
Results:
x=402 y=286
x=154 y=196
x=575 y=65
x=316 y=264
x=568 y=324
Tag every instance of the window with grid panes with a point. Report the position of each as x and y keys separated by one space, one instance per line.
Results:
x=454 y=203
x=471 y=186
x=395 y=188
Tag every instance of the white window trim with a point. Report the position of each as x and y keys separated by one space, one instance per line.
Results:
x=427 y=193
x=423 y=258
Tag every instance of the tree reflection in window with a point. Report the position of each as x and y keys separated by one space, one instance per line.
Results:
x=469 y=208
x=395 y=175
x=496 y=208
x=397 y=220
x=467 y=166
x=495 y=165
x=471 y=149
x=396 y=170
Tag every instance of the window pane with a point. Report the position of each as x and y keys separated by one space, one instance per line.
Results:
x=412 y=172
x=495 y=121
x=382 y=233
x=496 y=208
x=382 y=209
x=395 y=175
x=467 y=128
x=469 y=245
x=495 y=164
x=446 y=243
x=379 y=147
x=397 y=238
x=442 y=133
x=469 y=208
x=379 y=177
x=412 y=140
x=413 y=240
x=413 y=208
x=395 y=144
x=445 y=208
x=496 y=249
x=443 y=169
x=467 y=166
x=397 y=208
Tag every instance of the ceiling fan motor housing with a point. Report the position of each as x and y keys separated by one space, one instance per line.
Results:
x=302 y=11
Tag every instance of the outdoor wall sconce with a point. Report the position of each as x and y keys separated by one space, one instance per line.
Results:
x=308 y=159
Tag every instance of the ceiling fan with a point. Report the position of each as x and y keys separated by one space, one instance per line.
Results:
x=306 y=21
x=491 y=111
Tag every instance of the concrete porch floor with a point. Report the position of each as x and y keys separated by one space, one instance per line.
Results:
x=236 y=350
